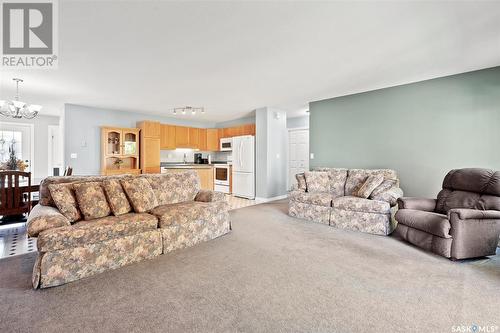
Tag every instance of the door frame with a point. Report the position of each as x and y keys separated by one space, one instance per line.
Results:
x=292 y=129
x=50 y=166
x=32 y=141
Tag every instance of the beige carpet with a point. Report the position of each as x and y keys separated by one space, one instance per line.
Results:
x=273 y=273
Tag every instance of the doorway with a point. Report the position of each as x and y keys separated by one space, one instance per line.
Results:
x=298 y=153
x=55 y=150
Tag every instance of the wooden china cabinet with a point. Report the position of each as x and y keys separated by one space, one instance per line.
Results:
x=119 y=150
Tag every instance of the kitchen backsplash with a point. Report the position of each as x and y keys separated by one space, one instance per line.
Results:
x=174 y=156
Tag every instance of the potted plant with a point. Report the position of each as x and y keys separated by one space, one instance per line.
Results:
x=118 y=163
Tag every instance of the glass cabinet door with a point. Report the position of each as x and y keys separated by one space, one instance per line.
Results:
x=114 y=143
x=130 y=143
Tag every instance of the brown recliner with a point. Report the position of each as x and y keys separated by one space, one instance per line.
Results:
x=463 y=222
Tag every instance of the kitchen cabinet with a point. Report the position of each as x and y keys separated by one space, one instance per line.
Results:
x=149 y=146
x=213 y=139
x=206 y=175
x=181 y=137
x=167 y=136
x=202 y=144
x=194 y=137
x=150 y=129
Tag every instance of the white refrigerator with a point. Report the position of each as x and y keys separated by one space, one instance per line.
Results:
x=244 y=166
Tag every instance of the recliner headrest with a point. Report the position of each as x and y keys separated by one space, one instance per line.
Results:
x=484 y=181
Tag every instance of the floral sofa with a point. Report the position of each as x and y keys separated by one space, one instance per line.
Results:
x=353 y=199
x=89 y=224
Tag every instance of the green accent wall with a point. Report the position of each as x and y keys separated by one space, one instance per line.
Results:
x=422 y=130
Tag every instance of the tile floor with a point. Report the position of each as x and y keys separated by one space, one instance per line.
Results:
x=14 y=239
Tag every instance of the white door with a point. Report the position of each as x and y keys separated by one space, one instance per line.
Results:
x=17 y=137
x=298 y=153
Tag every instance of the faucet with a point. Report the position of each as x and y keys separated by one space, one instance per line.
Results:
x=185 y=158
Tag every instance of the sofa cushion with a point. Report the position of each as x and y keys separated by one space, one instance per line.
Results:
x=171 y=188
x=356 y=178
x=449 y=199
x=95 y=231
x=371 y=183
x=338 y=177
x=117 y=198
x=386 y=184
x=140 y=194
x=317 y=198
x=187 y=212
x=391 y=195
x=361 y=205
x=301 y=181
x=91 y=200
x=317 y=181
x=430 y=222
x=64 y=198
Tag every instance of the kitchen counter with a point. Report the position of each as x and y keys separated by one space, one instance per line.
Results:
x=187 y=166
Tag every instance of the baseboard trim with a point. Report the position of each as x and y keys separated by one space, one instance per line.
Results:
x=263 y=200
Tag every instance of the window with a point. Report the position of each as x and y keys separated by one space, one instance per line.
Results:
x=9 y=140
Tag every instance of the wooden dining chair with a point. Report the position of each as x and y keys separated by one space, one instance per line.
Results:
x=15 y=196
x=68 y=171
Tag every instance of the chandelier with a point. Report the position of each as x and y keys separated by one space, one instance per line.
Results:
x=17 y=109
x=189 y=110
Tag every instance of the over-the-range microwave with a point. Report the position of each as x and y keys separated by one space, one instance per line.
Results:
x=226 y=144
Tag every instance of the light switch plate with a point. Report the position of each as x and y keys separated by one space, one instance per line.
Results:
x=74 y=155
x=312 y=156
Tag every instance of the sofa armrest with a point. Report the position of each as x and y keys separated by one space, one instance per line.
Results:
x=467 y=214
x=425 y=204
x=45 y=217
x=390 y=196
x=210 y=196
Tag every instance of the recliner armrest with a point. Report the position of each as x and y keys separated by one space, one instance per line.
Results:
x=467 y=214
x=209 y=196
x=45 y=217
x=425 y=204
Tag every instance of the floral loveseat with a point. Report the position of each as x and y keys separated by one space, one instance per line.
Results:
x=354 y=199
x=88 y=224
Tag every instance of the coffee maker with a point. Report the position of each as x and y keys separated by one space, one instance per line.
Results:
x=198 y=158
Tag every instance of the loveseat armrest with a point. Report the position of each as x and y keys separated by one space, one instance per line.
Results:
x=209 y=196
x=425 y=204
x=45 y=217
x=467 y=214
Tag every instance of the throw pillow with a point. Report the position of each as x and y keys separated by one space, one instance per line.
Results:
x=301 y=181
x=371 y=183
x=64 y=198
x=117 y=199
x=386 y=184
x=91 y=200
x=140 y=194
x=317 y=181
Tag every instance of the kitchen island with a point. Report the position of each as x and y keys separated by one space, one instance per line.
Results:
x=204 y=171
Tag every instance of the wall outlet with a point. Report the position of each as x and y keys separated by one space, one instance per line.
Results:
x=312 y=156
x=74 y=155
x=83 y=144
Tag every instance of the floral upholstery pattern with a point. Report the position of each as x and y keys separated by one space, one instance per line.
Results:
x=210 y=196
x=373 y=223
x=172 y=188
x=356 y=178
x=188 y=223
x=339 y=208
x=361 y=205
x=91 y=200
x=391 y=196
x=320 y=214
x=95 y=231
x=45 y=217
x=338 y=178
x=317 y=181
x=140 y=194
x=370 y=184
x=301 y=181
x=64 y=198
x=117 y=199
x=62 y=266
x=318 y=198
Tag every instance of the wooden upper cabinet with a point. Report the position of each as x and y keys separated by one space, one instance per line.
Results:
x=150 y=129
x=167 y=137
x=150 y=160
x=202 y=144
x=213 y=139
x=248 y=129
x=194 y=137
x=181 y=137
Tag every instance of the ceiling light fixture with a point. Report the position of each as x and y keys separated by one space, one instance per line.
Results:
x=17 y=109
x=188 y=109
